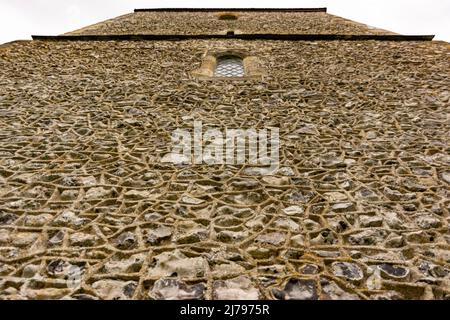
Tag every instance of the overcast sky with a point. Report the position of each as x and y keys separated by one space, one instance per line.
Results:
x=19 y=19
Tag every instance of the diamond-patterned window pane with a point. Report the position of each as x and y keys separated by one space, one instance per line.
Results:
x=229 y=66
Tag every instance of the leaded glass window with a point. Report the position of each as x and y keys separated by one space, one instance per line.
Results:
x=229 y=66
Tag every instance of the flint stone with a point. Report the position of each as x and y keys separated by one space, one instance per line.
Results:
x=175 y=263
x=172 y=289
x=240 y=288
x=297 y=289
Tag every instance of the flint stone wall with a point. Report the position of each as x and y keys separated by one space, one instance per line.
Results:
x=358 y=210
x=247 y=22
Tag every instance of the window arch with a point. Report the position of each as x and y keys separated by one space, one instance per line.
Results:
x=229 y=66
x=228 y=16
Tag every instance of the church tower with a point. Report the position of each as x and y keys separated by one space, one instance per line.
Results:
x=225 y=154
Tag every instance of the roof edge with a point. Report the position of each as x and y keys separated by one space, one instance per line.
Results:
x=232 y=9
x=289 y=37
x=10 y=43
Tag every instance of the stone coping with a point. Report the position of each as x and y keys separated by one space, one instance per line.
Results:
x=233 y=9
x=290 y=37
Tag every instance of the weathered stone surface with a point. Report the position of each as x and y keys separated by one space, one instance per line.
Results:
x=7 y=218
x=45 y=294
x=428 y=222
x=240 y=288
x=293 y=210
x=37 y=220
x=368 y=237
x=324 y=237
x=347 y=270
x=275 y=181
x=157 y=235
x=191 y=200
x=190 y=232
x=227 y=269
x=361 y=189
x=132 y=264
x=331 y=291
x=126 y=240
x=393 y=272
x=335 y=196
x=343 y=207
x=81 y=239
x=137 y=195
x=260 y=252
x=177 y=264
x=69 y=218
x=231 y=236
x=309 y=269
x=24 y=239
x=370 y=221
x=68 y=195
x=297 y=289
x=298 y=240
x=98 y=193
x=57 y=238
x=208 y=23
x=171 y=289
x=30 y=271
x=446 y=176
x=393 y=221
x=114 y=289
x=289 y=224
x=274 y=238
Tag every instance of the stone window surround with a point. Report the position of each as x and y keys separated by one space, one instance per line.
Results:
x=252 y=66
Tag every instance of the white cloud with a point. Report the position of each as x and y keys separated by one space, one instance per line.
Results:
x=21 y=18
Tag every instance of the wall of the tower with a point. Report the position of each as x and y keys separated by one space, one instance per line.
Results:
x=161 y=22
x=363 y=179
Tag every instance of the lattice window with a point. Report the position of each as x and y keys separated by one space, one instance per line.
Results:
x=229 y=66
